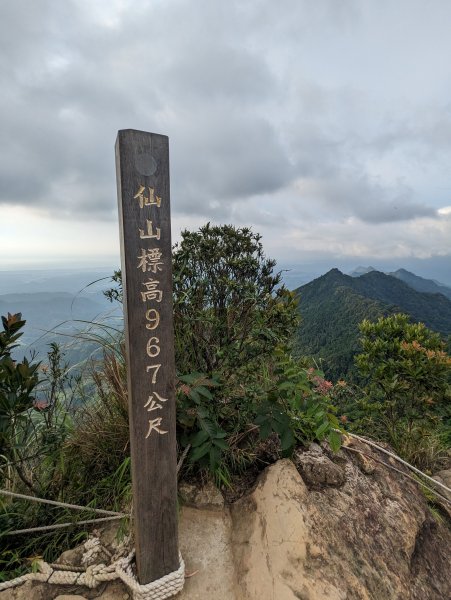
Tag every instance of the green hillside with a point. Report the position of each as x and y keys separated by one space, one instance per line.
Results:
x=59 y=317
x=420 y=284
x=333 y=305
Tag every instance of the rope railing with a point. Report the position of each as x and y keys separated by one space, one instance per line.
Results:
x=99 y=511
x=60 y=526
x=160 y=589
x=403 y=473
x=399 y=459
x=95 y=574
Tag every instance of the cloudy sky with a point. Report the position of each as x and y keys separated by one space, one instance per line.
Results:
x=324 y=124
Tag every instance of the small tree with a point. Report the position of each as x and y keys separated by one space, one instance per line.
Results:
x=407 y=376
x=229 y=308
x=18 y=381
x=238 y=387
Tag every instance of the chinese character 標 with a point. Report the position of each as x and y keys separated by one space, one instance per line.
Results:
x=149 y=260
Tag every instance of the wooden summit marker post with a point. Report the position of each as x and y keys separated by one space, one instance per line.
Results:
x=142 y=169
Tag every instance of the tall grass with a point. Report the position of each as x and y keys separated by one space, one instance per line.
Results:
x=73 y=447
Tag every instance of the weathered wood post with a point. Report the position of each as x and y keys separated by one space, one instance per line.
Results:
x=142 y=168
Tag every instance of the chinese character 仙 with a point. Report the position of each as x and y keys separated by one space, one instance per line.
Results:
x=147 y=200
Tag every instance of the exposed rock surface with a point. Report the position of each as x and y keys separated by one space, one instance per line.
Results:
x=207 y=496
x=445 y=478
x=324 y=527
x=318 y=470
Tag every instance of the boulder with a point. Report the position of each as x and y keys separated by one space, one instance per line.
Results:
x=372 y=538
x=70 y=597
x=317 y=469
x=444 y=477
x=324 y=526
x=208 y=496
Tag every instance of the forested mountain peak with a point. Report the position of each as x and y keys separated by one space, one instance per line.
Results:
x=333 y=305
x=420 y=284
x=361 y=271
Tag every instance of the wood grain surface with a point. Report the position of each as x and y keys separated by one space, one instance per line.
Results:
x=142 y=168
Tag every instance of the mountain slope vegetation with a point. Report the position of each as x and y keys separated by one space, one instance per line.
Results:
x=333 y=305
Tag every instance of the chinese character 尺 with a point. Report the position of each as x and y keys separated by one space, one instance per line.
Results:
x=154 y=425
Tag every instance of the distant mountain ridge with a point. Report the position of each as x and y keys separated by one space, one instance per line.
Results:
x=420 y=284
x=56 y=316
x=333 y=305
x=362 y=271
x=56 y=303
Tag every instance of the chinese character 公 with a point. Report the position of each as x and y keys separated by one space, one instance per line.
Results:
x=151 y=404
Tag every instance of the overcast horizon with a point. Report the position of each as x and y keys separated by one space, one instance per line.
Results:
x=324 y=126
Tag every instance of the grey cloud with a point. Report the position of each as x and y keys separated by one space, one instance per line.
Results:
x=227 y=82
x=366 y=200
x=207 y=72
x=227 y=159
x=67 y=116
x=424 y=134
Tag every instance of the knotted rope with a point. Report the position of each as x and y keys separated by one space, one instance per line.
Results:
x=93 y=575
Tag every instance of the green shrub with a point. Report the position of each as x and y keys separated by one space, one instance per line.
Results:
x=18 y=381
x=35 y=413
x=406 y=396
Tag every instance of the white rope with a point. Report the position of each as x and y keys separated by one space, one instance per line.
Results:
x=99 y=511
x=403 y=473
x=370 y=443
x=182 y=458
x=61 y=525
x=160 y=589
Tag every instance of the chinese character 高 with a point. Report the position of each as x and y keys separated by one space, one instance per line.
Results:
x=152 y=293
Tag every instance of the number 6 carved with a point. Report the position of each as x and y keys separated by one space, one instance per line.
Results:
x=153 y=349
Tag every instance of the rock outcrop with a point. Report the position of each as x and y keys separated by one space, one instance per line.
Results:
x=321 y=527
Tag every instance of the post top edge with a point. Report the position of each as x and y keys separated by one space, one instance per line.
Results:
x=122 y=132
